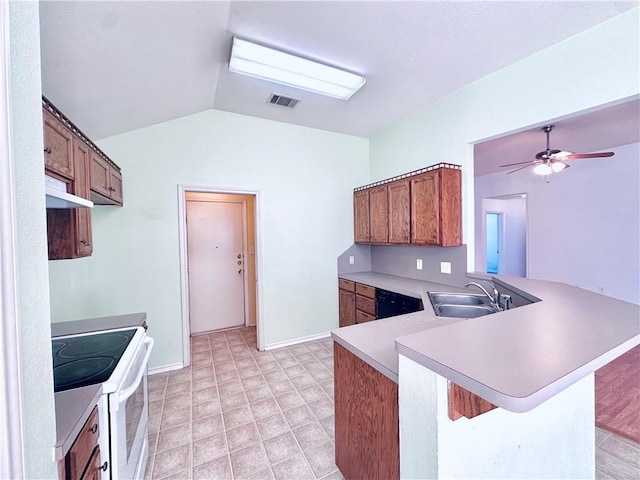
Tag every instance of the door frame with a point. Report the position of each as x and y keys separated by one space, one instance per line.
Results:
x=184 y=276
x=11 y=394
x=501 y=239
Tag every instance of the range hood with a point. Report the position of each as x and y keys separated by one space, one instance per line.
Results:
x=57 y=196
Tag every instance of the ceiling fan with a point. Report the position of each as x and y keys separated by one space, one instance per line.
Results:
x=552 y=161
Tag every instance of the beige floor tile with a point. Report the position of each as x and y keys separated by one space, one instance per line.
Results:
x=205 y=427
x=236 y=417
x=258 y=394
x=265 y=474
x=204 y=395
x=264 y=408
x=245 y=372
x=203 y=372
x=206 y=409
x=218 y=469
x=233 y=400
x=228 y=376
x=178 y=388
x=299 y=416
x=242 y=436
x=275 y=376
x=225 y=367
x=313 y=393
x=600 y=435
x=603 y=476
x=179 y=376
x=322 y=459
x=293 y=468
x=272 y=426
x=173 y=418
x=248 y=460
x=334 y=476
x=232 y=386
x=172 y=461
x=209 y=448
x=268 y=366
x=311 y=435
x=281 y=447
x=289 y=400
x=180 y=400
x=303 y=381
x=329 y=425
x=255 y=381
x=322 y=408
x=173 y=437
x=281 y=387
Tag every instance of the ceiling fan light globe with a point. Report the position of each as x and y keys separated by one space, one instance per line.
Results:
x=542 y=169
x=558 y=166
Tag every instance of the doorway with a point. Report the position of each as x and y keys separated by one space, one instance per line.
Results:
x=504 y=237
x=218 y=253
x=495 y=234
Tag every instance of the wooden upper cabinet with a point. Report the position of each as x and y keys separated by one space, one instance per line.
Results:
x=106 y=182
x=436 y=208
x=450 y=207
x=58 y=147
x=426 y=212
x=82 y=162
x=361 y=216
x=399 y=212
x=422 y=208
x=379 y=214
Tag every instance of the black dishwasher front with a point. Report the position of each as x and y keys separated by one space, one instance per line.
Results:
x=390 y=304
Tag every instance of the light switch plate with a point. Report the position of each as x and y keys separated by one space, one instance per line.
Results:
x=445 y=267
x=352 y=260
x=419 y=264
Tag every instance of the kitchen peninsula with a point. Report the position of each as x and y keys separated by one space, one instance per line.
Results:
x=534 y=362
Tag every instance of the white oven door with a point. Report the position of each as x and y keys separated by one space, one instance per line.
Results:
x=128 y=417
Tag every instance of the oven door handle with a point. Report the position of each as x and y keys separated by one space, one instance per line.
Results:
x=121 y=397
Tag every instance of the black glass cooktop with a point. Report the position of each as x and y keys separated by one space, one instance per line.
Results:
x=87 y=359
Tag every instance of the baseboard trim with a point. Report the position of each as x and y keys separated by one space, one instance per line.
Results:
x=295 y=341
x=165 y=368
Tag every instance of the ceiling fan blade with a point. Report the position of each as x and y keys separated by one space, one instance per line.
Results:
x=521 y=168
x=577 y=156
x=519 y=163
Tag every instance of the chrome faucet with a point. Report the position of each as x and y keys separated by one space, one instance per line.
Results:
x=494 y=297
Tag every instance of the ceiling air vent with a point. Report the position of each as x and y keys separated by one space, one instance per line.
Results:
x=283 y=101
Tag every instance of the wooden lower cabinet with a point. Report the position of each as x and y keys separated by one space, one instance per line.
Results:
x=347 y=308
x=83 y=459
x=366 y=416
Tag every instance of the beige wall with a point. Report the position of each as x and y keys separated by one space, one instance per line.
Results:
x=250 y=260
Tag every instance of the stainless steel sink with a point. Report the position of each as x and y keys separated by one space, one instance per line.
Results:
x=458 y=298
x=463 y=311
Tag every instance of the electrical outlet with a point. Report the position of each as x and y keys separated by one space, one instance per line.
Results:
x=445 y=267
x=419 y=264
x=352 y=260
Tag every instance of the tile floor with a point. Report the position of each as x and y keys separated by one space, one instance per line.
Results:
x=237 y=413
x=243 y=414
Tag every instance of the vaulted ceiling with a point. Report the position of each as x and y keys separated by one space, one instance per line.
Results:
x=115 y=66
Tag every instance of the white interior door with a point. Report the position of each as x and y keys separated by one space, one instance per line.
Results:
x=215 y=265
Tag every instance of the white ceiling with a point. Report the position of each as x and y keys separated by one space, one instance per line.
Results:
x=115 y=66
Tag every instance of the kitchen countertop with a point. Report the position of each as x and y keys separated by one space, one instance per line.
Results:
x=374 y=342
x=97 y=324
x=74 y=406
x=515 y=359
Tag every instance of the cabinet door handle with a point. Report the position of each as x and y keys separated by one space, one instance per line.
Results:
x=84 y=242
x=94 y=428
x=47 y=150
x=104 y=466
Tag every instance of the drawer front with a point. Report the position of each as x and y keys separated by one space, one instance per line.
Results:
x=347 y=285
x=365 y=290
x=366 y=304
x=362 y=317
x=83 y=447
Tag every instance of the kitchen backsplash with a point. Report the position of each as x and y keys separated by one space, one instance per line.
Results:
x=401 y=261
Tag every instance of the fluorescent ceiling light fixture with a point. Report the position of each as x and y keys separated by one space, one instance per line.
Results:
x=272 y=65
